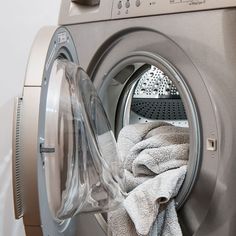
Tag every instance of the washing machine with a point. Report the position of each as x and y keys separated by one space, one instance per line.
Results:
x=111 y=63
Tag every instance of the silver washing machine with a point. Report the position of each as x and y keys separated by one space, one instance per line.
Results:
x=171 y=60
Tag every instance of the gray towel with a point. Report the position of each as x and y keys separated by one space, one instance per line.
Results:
x=133 y=134
x=157 y=141
x=139 y=213
x=158 y=160
x=155 y=157
x=144 y=201
x=167 y=221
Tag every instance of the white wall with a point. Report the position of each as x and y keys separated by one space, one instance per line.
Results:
x=19 y=22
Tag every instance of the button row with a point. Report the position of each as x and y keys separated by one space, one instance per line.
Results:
x=127 y=4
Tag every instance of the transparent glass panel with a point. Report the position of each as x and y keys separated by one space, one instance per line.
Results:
x=83 y=173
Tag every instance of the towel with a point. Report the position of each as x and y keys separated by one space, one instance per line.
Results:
x=155 y=156
x=134 y=148
x=138 y=213
x=167 y=221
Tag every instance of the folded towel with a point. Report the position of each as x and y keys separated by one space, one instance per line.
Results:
x=155 y=156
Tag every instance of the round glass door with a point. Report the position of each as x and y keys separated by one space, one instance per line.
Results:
x=82 y=167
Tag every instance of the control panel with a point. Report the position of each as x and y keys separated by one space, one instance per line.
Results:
x=135 y=8
x=81 y=11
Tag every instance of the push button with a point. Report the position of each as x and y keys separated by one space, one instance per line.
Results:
x=127 y=4
x=138 y=3
x=119 y=5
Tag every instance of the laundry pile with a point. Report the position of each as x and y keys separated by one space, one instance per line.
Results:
x=155 y=157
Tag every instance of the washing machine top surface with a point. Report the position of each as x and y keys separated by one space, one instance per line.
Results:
x=81 y=11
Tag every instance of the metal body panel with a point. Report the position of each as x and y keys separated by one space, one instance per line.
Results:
x=72 y=12
x=209 y=46
x=38 y=56
x=148 y=8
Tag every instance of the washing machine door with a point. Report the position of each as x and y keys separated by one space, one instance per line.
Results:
x=65 y=157
x=79 y=154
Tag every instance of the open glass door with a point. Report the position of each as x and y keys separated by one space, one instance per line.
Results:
x=65 y=159
x=82 y=167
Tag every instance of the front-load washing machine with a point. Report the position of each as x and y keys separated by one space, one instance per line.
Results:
x=114 y=63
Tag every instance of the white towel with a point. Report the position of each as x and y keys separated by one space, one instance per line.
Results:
x=155 y=157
